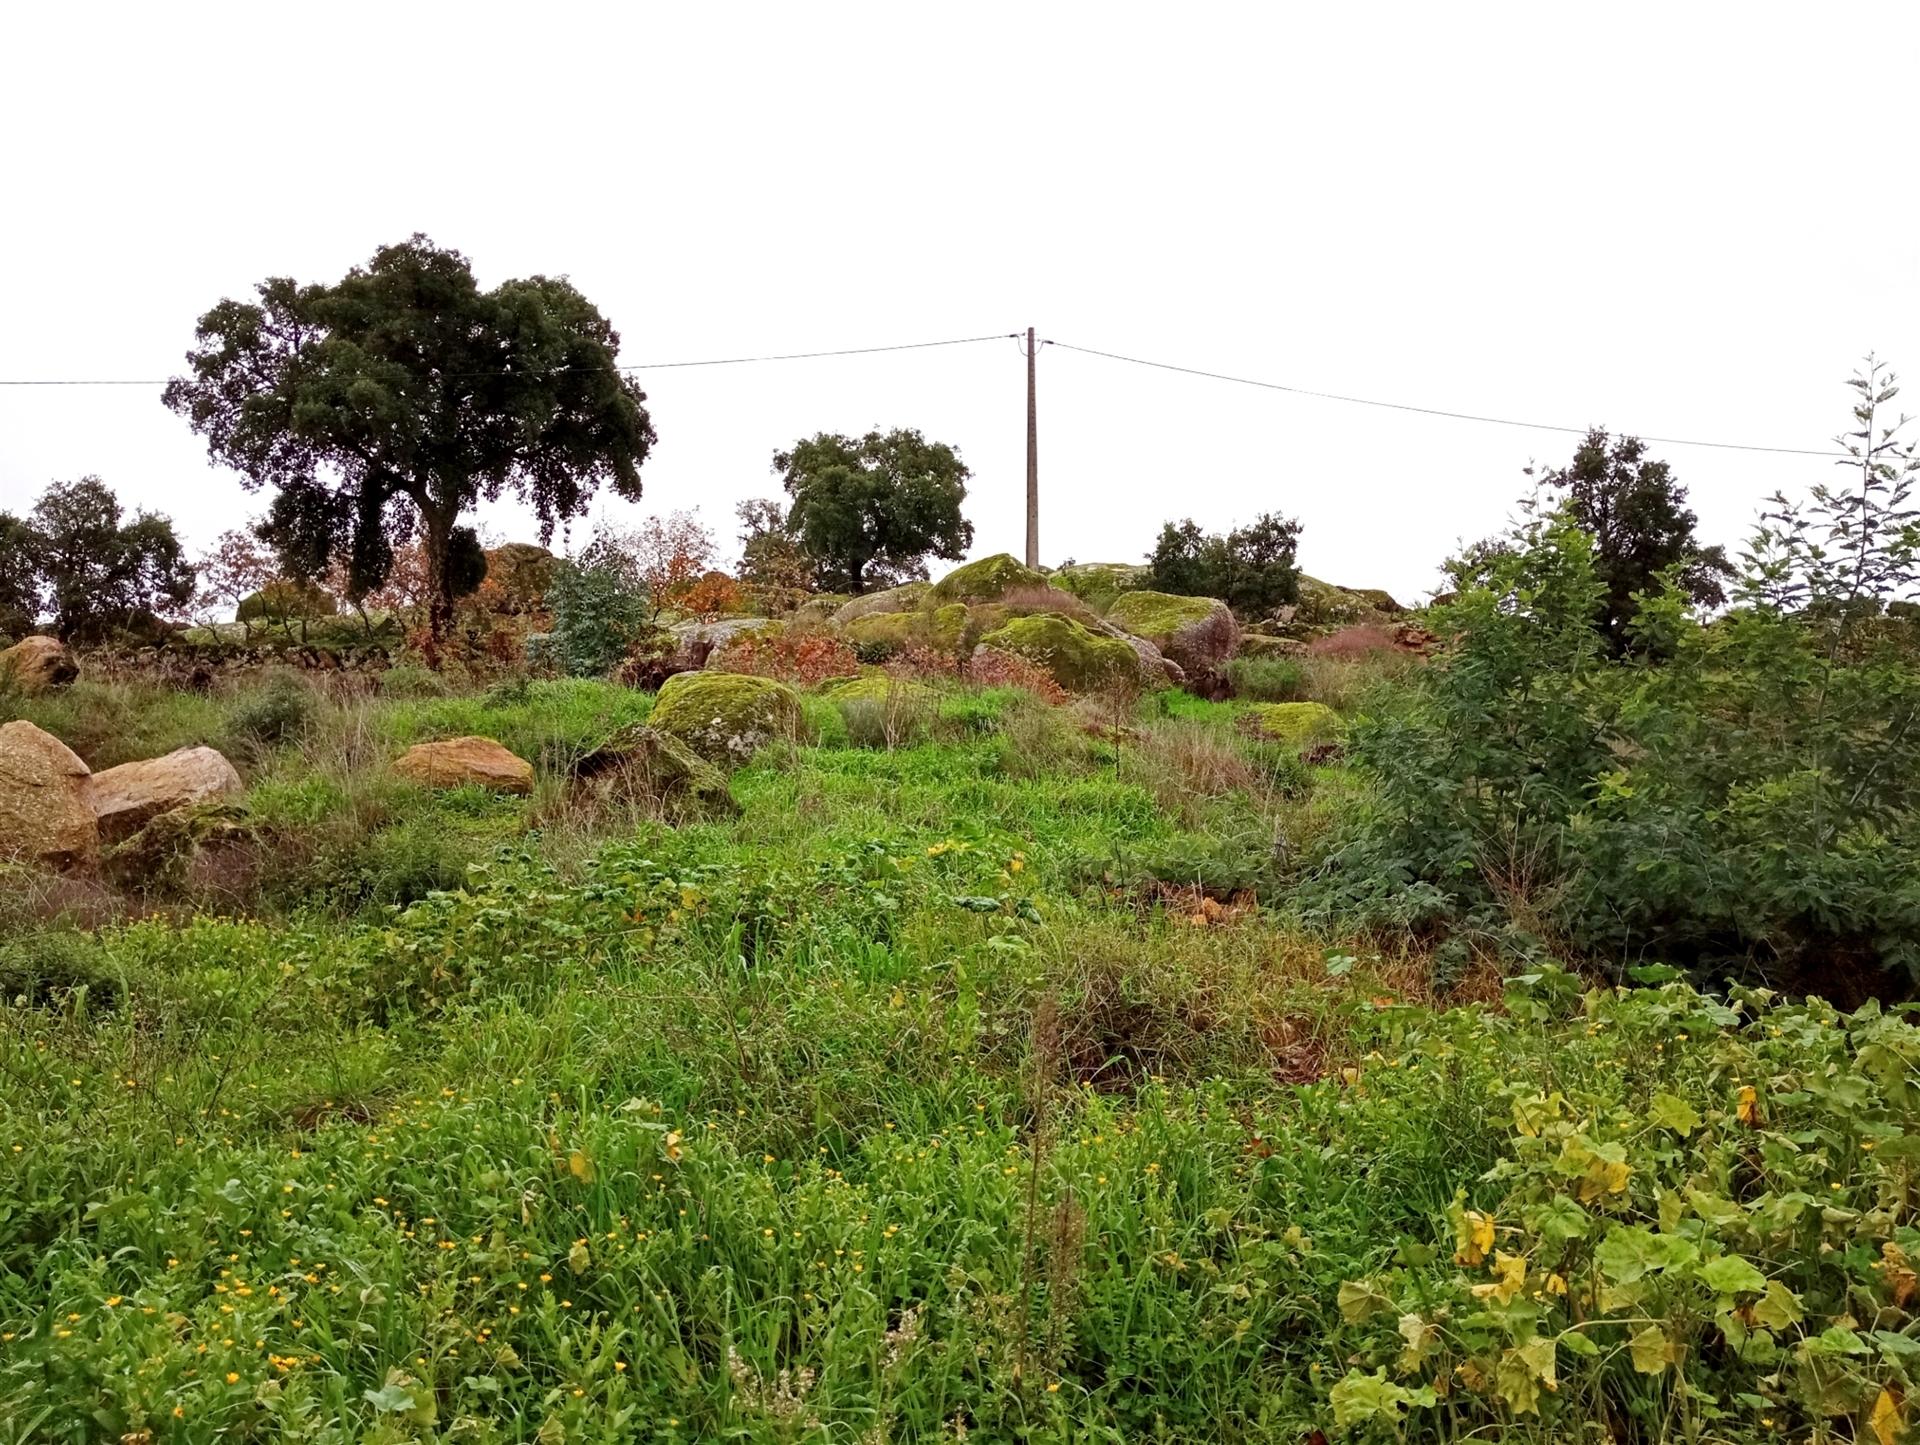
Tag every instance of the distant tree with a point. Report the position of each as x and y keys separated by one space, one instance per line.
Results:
x=771 y=555
x=1251 y=568
x=387 y=404
x=669 y=554
x=870 y=511
x=237 y=566
x=19 y=577
x=1636 y=512
x=99 y=572
x=601 y=607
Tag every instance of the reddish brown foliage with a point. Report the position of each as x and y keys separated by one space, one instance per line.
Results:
x=990 y=667
x=713 y=594
x=805 y=658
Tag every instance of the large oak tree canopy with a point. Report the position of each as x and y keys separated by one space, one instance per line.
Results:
x=868 y=511
x=398 y=397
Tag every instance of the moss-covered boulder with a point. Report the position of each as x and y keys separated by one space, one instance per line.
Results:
x=1099 y=584
x=881 y=634
x=1198 y=633
x=987 y=580
x=1080 y=660
x=642 y=763
x=820 y=608
x=1296 y=724
x=904 y=598
x=726 y=717
x=877 y=686
x=192 y=849
x=1261 y=644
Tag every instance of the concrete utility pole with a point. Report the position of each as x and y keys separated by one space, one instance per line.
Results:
x=1033 y=463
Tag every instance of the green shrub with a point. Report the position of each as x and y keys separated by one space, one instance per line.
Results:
x=278 y=711
x=1266 y=679
x=409 y=681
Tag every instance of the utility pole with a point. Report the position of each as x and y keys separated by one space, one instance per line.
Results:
x=1033 y=462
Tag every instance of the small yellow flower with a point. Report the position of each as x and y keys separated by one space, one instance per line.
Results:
x=233 y=1377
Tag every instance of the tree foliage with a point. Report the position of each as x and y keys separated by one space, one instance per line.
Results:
x=1642 y=530
x=869 y=511
x=96 y=572
x=389 y=403
x=1251 y=568
x=19 y=577
x=772 y=559
x=1736 y=794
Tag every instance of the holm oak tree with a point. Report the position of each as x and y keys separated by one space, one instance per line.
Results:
x=868 y=511
x=389 y=403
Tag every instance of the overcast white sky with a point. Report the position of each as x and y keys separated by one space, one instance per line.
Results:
x=1682 y=220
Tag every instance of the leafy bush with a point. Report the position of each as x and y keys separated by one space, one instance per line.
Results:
x=1745 y=796
x=413 y=682
x=1251 y=568
x=804 y=659
x=601 y=608
x=279 y=711
x=1265 y=679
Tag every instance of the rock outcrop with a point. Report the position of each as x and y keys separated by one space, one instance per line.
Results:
x=1296 y=724
x=125 y=799
x=36 y=665
x=987 y=580
x=457 y=762
x=1198 y=633
x=44 y=817
x=643 y=763
x=1080 y=660
x=726 y=717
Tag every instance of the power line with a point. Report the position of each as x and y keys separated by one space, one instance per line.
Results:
x=639 y=366
x=1432 y=410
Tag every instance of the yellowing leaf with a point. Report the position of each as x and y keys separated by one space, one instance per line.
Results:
x=1675 y=1113
x=1885 y=1419
x=1747 y=1106
x=580 y=1165
x=1649 y=1350
x=578 y=1260
x=1778 y=1307
x=1422 y=1339
x=1361 y=1299
x=1510 y=1276
x=1472 y=1235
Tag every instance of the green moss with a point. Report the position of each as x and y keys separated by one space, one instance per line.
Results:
x=157 y=858
x=1100 y=584
x=647 y=760
x=1258 y=644
x=1159 y=616
x=884 y=632
x=1294 y=723
x=1079 y=660
x=904 y=598
x=878 y=687
x=726 y=717
x=986 y=580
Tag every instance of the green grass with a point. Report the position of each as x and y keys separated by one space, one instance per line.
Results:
x=895 y=1109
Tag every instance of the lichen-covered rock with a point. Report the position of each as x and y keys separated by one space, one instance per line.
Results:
x=1196 y=632
x=44 y=817
x=36 y=665
x=986 y=580
x=904 y=598
x=1260 y=644
x=1080 y=660
x=820 y=608
x=642 y=761
x=879 y=687
x=1295 y=723
x=125 y=799
x=457 y=762
x=1156 y=668
x=726 y=717
x=884 y=632
x=201 y=844
x=1099 y=584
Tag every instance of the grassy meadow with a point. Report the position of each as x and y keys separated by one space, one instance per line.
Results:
x=980 y=1080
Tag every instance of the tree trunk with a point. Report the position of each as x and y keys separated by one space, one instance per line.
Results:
x=436 y=533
